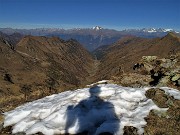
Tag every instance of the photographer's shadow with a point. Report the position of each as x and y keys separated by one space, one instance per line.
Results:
x=92 y=116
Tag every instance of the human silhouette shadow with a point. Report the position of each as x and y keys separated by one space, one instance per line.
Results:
x=92 y=116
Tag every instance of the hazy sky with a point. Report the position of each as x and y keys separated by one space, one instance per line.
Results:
x=117 y=14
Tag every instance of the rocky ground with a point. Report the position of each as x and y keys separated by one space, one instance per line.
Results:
x=152 y=71
x=157 y=72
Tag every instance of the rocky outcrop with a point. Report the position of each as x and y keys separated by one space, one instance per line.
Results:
x=164 y=71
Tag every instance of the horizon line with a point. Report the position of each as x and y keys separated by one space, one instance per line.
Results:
x=61 y=28
x=78 y=26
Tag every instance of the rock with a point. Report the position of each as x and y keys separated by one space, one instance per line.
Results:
x=149 y=58
x=178 y=82
x=156 y=76
x=167 y=63
x=169 y=73
x=148 y=67
x=158 y=96
x=164 y=81
x=175 y=77
x=129 y=130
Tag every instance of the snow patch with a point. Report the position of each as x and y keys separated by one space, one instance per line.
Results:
x=172 y=92
x=154 y=30
x=101 y=108
x=99 y=82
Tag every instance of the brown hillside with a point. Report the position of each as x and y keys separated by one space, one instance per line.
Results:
x=40 y=66
x=122 y=56
x=69 y=54
x=12 y=39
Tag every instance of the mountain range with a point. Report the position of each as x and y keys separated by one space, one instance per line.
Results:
x=91 y=38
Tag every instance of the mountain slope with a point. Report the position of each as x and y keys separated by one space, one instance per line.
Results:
x=65 y=53
x=12 y=39
x=122 y=55
x=40 y=66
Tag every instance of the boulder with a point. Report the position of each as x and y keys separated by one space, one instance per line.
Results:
x=175 y=77
x=149 y=58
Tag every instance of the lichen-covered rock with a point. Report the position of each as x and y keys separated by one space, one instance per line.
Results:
x=167 y=63
x=175 y=77
x=164 y=81
x=149 y=58
x=163 y=71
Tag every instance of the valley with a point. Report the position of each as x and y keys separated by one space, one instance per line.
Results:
x=39 y=66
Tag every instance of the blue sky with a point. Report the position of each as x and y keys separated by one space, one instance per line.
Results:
x=116 y=14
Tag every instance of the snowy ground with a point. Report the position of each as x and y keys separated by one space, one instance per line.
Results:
x=102 y=108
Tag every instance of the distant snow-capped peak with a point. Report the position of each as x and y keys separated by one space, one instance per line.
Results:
x=151 y=30
x=97 y=28
x=168 y=30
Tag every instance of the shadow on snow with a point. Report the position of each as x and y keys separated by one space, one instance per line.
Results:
x=92 y=116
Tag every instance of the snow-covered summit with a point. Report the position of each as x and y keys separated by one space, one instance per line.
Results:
x=152 y=30
x=97 y=28
x=101 y=108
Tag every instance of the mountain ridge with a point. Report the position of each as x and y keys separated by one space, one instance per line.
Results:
x=122 y=55
x=91 y=38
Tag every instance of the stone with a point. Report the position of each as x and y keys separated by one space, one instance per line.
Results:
x=167 y=63
x=163 y=81
x=175 y=77
x=129 y=130
x=149 y=58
